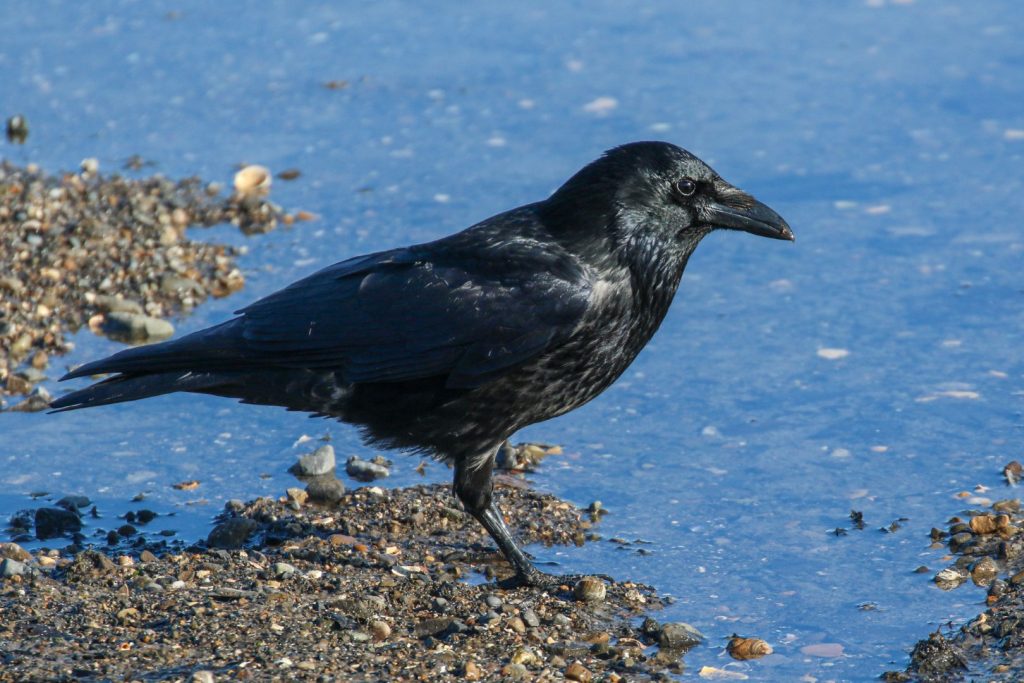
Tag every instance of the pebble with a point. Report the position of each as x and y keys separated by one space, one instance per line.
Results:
x=524 y=656
x=231 y=533
x=589 y=589
x=578 y=672
x=679 y=635
x=530 y=618
x=114 y=304
x=202 y=677
x=380 y=630
x=472 y=672
x=326 y=489
x=74 y=503
x=297 y=496
x=133 y=327
x=319 y=462
x=54 y=522
x=514 y=671
x=283 y=570
x=984 y=570
x=493 y=601
x=15 y=552
x=365 y=470
x=9 y=568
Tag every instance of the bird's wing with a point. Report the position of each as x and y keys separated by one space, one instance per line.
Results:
x=420 y=312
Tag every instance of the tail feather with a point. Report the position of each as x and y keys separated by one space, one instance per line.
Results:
x=133 y=387
x=215 y=348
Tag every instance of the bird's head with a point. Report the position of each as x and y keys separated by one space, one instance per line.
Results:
x=654 y=199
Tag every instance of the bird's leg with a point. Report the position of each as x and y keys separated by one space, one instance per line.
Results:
x=475 y=486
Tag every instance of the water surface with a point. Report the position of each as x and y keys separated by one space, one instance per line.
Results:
x=889 y=134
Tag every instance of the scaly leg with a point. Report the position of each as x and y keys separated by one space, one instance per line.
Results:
x=475 y=488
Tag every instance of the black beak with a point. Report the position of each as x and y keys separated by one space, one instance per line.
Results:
x=748 y=215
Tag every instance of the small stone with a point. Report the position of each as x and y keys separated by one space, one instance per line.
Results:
x=203 y=677
x=514 y=671
x=109 y=304
x=133 y=327
x=678 y=636
x=365 y=470
x=530 y=618
x=297 y=496
x=984 y=570
x=493 y=601
x=524 y=656
x=9 y=568
x=231 y=533
x=950 y=577
x=326 y=489
x=319 y=462
x=472 y=672
x=15 y=552
x=283 y=570
x=380 y=630
x=589 y=589
x=518 y=625
x=147 y=556
x=578 y=672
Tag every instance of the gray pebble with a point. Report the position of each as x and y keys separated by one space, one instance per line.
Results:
x=359 y=636
x=439 y=604
x=678 y=635
x=283 y=570
x=111 y=304
x=530 y=618
x=320 y=461
x=11 y=567
x=202 y=677
x=365 y=470
x=135 y=327
x=493 y=601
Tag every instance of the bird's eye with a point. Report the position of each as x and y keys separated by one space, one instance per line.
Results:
x=684 y=187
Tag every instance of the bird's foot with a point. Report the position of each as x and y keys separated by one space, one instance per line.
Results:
x=552 y=583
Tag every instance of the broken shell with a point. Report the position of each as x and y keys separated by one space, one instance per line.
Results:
x=253 y=180
x=748 y=648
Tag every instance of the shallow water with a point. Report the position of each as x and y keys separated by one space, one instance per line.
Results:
x=889 y=134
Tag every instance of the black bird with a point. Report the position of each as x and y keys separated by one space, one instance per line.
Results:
x=448 y=348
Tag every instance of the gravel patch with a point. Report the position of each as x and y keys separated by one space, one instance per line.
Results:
x=387 y=584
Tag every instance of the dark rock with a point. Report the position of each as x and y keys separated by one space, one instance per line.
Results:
x=937 y=655
x=74 y=503
x=325 y=490
x=231 y=533
x=679 y=636
x=55 y=522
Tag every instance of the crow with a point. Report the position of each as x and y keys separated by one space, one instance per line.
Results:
x=447 y=348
